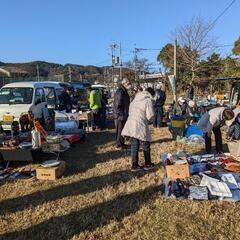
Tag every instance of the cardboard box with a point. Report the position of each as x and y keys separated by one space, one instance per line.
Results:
x=234 y=148
x=180 y=171
x=50 y=173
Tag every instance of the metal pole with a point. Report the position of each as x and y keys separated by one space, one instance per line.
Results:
x=175 y=66
x=38 y=78
x=135 y=63
x=175 y=59
x=120 y=54
x=69 y=73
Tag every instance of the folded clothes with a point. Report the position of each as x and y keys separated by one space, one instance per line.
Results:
x=198 y=192
x=232 y=167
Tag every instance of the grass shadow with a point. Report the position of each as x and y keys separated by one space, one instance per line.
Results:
x=72 y=189
x=86 y=219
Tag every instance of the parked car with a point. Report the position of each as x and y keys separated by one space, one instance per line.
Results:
x=16 y=99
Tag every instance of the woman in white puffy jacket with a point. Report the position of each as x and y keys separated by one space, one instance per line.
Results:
x=141 y=112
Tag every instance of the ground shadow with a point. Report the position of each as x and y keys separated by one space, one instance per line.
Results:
x=72 y=189
x=85 y=219
x=163 y=140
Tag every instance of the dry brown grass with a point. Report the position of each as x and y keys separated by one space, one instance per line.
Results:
x=99 y=198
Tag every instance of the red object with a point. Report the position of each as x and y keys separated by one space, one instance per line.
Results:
x=71 y=138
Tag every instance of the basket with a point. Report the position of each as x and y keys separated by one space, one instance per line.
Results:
x=178 y=123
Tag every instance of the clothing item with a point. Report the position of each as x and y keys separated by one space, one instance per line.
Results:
x=121 y=104
x=140 y=113
x=158 y=117
x=65 y=102
x=96 y=118
x=234 y=131
x=160 y=98
x=119 y=125
x=135 y=145
x=211 y=119
x=218 y=140
x=190 y=92
x=94 y=100
x=198 y=192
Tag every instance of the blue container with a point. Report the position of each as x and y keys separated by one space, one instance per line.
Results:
x=194 y=130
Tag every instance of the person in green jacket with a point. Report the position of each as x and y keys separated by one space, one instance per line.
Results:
x=95 y=106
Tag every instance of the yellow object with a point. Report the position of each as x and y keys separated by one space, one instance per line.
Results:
x=178 y=123
x=8 y=118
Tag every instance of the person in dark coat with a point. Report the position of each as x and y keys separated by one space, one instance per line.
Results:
x=160 y=98
x=234 y=129
x=190 y=92
x=120 y=110
x=65 y=100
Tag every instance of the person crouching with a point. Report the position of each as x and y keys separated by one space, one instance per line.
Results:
x=212 y=121
x=141 y=112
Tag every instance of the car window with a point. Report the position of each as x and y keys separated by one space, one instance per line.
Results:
x=50 y=95
x=39 y=95
x=16 y=95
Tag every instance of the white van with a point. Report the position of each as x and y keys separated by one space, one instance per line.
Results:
x=18 y=98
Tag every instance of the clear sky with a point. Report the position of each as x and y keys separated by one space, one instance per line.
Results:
x=80 y=31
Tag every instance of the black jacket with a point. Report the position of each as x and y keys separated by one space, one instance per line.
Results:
x=190 y=92
x=65 y=102
x=121 y=104
x=160 y=98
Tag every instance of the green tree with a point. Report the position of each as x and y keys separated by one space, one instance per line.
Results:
x=236 y=48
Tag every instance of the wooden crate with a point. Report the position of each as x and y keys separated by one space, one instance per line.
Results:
x=52 y=173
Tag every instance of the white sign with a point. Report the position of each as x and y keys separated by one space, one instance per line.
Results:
x=147 y=76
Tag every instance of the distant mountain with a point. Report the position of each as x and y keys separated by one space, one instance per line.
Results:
x=47 y=69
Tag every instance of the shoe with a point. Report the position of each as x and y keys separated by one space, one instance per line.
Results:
x=119 y=148
x=137 y=169
x=149 y=166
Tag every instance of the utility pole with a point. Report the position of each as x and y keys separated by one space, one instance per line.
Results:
x=69 y=73
x=38 y=77
x=175 y=59
x=135 y=64
x=175 y=67
x=120 y=54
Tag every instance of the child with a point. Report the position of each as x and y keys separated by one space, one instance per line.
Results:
x=140 y=114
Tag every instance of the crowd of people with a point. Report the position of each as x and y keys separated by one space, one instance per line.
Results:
x=132 y=119
x=132 y=115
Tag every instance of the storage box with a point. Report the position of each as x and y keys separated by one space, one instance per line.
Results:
x=234 y=148
x=175 y=171
x=51 y=173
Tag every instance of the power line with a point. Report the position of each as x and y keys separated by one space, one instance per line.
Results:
x=224 y=11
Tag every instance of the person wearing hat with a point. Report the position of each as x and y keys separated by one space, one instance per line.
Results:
x=212 y=121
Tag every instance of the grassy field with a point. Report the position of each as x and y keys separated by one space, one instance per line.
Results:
x=99 y=198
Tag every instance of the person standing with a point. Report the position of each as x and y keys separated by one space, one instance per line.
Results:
x=141 y=112
x=120 y=110
x=190 y=92
x=95 y=106
x=160 y=98
x=65 y=100
x=212 y=121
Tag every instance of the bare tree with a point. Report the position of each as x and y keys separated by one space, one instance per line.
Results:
x=195 y=43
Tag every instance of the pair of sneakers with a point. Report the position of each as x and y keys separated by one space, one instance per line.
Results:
x=146 y=167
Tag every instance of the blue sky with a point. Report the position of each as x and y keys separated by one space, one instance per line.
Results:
x=80 y=31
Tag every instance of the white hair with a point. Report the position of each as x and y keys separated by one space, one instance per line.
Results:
x=125 y=80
